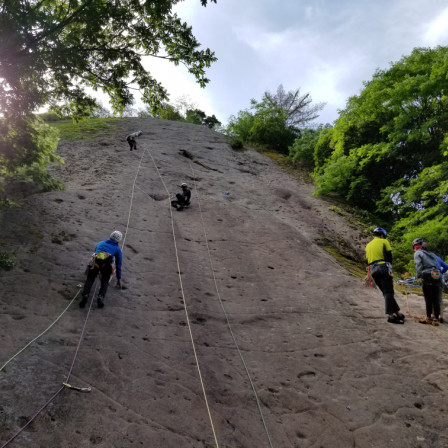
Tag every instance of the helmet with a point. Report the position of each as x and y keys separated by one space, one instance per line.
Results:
x=116 y=235
x=184 y=185
x=417 y=242
x=380 y=230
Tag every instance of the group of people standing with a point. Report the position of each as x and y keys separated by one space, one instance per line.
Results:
x=429 y=268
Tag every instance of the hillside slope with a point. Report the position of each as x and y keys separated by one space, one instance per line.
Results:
x=292 y=350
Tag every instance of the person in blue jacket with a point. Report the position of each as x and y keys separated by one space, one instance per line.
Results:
x=106 y=252
x=443 y=269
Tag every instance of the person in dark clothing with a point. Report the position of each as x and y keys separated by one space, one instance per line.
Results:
x=131 y=139
x=428 y=270
x=182 y=199
x=379 y=259
x=102 y=263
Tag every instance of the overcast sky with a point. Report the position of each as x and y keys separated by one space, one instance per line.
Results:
x=324 y=47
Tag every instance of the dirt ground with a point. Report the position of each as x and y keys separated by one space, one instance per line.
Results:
x=234 y=327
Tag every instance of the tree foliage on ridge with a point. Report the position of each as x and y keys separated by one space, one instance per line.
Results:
x=275 y=121
x=387 y=152
x=52 y=50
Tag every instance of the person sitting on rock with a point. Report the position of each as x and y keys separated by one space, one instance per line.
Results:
x=131 y=139
x=182 y=199
x=102 y=263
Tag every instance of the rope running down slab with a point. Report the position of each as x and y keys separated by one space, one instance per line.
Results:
x=226 y=315
x=61 y=388
x=185 y=307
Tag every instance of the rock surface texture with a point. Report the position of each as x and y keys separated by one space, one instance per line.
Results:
x=234 y=327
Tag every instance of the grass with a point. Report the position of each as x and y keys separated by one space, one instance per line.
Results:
x=355 y=268
x=285 y=162
x=84 y=130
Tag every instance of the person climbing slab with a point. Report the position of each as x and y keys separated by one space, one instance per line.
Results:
x=131 y=139
x=182 y=199
x=106 y=252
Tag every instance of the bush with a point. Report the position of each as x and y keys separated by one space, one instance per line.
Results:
x=302 y=151
x=168 y=112
x=40 y=176
x=236 y=143
x=7 y=261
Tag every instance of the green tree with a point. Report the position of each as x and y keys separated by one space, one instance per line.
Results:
x=393 y=130
x=303 y=149
x=197 y=116
x=52 y=50
x=421 y=210
x=387 y=152
x=211 y=122
x=169 y=112
x=274 y=121
x=298 y=108
x=241 y=125
x=270 y=129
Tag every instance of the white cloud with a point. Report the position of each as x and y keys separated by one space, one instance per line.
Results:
x=323 y=47
x=437 y=30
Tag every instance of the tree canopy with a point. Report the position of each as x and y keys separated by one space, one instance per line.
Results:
x=392 y=131
x=387 y=152
x=298 y=109
x=275 y=121
x=53 y=50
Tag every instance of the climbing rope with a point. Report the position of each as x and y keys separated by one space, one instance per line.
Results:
x=65 y=383
x=186 y=308
x=33 y=417
x=132 y=199
x=41 y=334
x=229 y=326
x=76 y=295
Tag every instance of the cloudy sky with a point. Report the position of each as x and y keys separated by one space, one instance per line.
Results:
x=324 y=47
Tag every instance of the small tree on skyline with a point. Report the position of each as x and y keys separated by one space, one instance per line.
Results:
x=298 y=108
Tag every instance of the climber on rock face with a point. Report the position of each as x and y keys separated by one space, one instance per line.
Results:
x=106 y=252
x=182 y=199
x=131 y=139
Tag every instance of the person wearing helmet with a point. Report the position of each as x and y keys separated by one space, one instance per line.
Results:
x=428 y=270
x=131 y=140
x=379 y=259
x=182 y=199
x=106 y=252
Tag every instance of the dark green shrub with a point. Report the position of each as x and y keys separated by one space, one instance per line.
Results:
x=7 y=261
x=236 y=143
